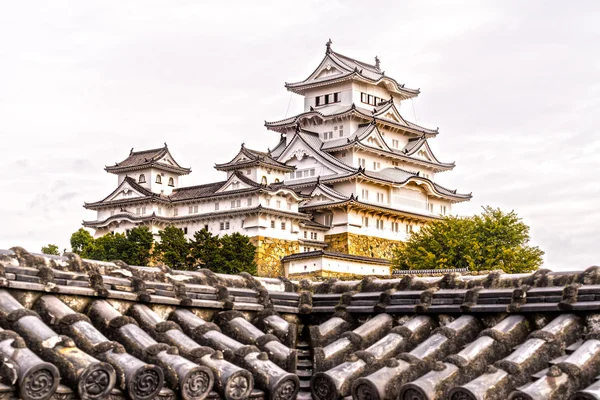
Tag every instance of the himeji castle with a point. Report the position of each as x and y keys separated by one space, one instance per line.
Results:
x=348 y=180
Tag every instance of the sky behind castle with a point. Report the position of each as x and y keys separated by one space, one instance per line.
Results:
x=514 y=87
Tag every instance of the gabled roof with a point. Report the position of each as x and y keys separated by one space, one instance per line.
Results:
x=354 y=201
x=276 y=152
x=336 y=67
x=359 y=139
x=143 y=195
x=337 y=111
x=238 y=177
x=395 y=175
x=249 y=158
x=311 y=142
x=361 y=134
x=155 y=158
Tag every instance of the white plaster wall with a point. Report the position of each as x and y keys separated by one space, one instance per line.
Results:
x=345 y=89
x=334 y=265
x=358 y=88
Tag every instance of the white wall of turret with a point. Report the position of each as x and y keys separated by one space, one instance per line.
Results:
x=153 y=179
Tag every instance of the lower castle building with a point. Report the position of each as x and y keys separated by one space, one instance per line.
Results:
x=347 y=180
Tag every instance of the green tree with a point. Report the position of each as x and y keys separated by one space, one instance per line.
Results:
x=139 y=246
x=204 y=248
x=51 y=249
x=235 y=255
x=80 y=240
x=173 y=248
x=492 y=240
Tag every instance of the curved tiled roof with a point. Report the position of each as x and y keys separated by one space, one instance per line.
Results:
x=93 y=329
x=333 y=111
x=146 y=159
x=254 y=158
x=351 y=69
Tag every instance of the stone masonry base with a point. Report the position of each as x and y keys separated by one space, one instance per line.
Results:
x=362 y=245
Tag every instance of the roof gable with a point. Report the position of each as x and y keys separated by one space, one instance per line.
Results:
x=128 y=189
x=324 y=194
x=237 y=182
x=299 y=148
x=373 y=138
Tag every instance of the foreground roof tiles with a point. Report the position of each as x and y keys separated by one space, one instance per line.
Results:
x=83 y=329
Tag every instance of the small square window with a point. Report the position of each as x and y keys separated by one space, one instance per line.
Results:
x=273 y=224
x=283 y=226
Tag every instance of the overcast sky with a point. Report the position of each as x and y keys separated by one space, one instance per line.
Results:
x=513 y=85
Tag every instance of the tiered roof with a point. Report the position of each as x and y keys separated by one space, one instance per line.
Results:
x=160 y=158
x=337 y=111
x=253 y=158
x=145 y=196
x=347 y=68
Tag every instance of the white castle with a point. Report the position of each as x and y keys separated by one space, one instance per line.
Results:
x=348 y=180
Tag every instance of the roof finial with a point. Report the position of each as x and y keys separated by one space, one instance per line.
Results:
x=165 y=144
x=328 y=45
x=243 y=144
x=297 y=127
x=377 y=62
x=130 y=152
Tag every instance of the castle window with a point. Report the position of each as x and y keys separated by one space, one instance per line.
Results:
x=283 y=226
x=278 y=203
x=365 y=194
x=171 y=182
x=292 y=175
x=327 y=220
x=159 y=211
x=142 y=179
x=249 y=201
x=365 y=222
x=206 y=227
x=380 y=224
x=328 y=135
x=193 y=209
x=362 y=162
x=263 y=181
x=216 y=206
x=248 y=172
x=431 y=208
x=158 y=179
x=185 y=230
x=395 y=227
x=317 y=101
x=304 y=234
x=376 y=165
x=395 y=143
x=268 y=202
x=273 y=224
x=175 y=212
x=289 y=206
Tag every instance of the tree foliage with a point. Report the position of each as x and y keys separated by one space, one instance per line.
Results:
x=51 y=249
x=230 y=254
x=134 y=247
x=173 y=248
x=492 y=240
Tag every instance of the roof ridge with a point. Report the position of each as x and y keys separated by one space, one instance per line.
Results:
x=199 y=186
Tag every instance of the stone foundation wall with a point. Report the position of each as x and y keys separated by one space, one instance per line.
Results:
x=269 y=252
x=362 y=245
